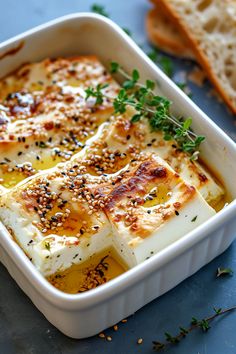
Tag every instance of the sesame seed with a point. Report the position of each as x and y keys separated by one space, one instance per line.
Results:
x=140 y=341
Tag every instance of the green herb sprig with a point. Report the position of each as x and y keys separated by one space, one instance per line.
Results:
x=99 y=9
x=151 y=106
x=203 y=324
x=165 y=63
x=127 y=31
x=223 y=272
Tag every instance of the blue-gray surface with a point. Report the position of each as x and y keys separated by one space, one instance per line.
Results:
x=23 y=329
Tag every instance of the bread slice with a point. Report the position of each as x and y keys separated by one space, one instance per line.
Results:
x=163 y=34
x=210 y=26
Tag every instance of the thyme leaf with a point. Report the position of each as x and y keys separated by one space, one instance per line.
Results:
x=203 y=324
x=99 y=9
x=151 y=106
x=224 y=271
x=47 y=245
x=127 y=31
x=165 y=63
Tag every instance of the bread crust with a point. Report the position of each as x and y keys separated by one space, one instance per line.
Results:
x=170 y=41
x=201 y=57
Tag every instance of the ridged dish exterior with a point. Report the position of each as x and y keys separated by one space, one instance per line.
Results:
x=81 y=316
x=90 y=321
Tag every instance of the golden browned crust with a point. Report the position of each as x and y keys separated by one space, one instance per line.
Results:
x=129 y=201
x=43 y=122
x=137 y=181
x=201 y=57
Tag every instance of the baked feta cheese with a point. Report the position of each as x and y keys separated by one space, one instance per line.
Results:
x=82 y=179
x=52 y=219
x=66 y=216
x=44 y=116
x=152 y=208
x=121 y=141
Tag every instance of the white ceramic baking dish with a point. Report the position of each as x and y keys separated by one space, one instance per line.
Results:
x=86 y=314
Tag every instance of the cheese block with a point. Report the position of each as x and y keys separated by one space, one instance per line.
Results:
x=44 y=117
x=53 y=223
x=121 y=141
x=66 y=216
x=151 y=208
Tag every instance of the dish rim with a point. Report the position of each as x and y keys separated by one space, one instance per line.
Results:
x=128 y=278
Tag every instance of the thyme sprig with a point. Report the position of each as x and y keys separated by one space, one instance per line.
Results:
x=165 y=63
x=224 y=271
x=99 y=9
x=203 y=324
x=151 y=106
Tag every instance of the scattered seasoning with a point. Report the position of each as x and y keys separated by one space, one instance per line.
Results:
x=42 y=145
x=109 y=339
x=140 y=341
x=194 y=219
x=95 y=276
x=47 y=245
